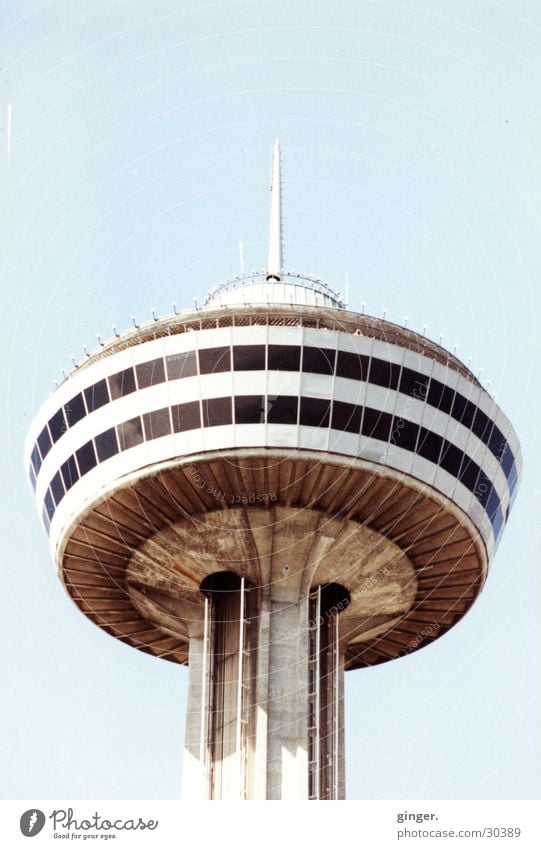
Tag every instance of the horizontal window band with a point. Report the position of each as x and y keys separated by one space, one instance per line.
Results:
x=307 y=359
x=285 y=410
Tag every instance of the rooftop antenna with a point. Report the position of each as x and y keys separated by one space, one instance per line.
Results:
x=241 y=258
x=274 y=263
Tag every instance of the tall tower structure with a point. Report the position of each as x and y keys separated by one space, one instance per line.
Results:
x=272 y=490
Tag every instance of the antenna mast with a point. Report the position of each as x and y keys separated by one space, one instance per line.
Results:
x=274 y=263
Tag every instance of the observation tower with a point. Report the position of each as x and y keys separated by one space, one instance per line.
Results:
x=271 y=489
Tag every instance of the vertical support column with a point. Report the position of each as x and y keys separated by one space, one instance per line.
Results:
x=221 y=676
x=325 y=769
x=195 y=779
x=240 y=692
x=314 y=695
x=258 y=741
x=287 y=702
x=205 y=682
x=338 y=679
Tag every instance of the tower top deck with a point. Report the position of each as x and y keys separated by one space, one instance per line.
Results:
x=291 y=287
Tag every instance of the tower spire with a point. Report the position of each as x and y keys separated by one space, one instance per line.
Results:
x=274 y=262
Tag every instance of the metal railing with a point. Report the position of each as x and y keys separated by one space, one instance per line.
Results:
x=292 y=277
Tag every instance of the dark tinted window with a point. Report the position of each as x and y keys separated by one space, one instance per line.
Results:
x=96 y=396
x=482 y=426
x=413 y=383
x=57 y=425
x=497 y=442
x=354 y=366
x=32 y=476
x=75 y=410
x=151 y=373
x=376 y=424
x=513 y=478
x=86 y=457
x=35 y=459
x=122 y=383
x=493 y=504
x=217 y=411
x=181 y=365
x=249 y=409
x=45 y=518
x=314 y=412
x=507 y=459
x=157 y=423
x=285 y=357
x=130 y=433
x=469 y=473
x=49 y=504
x=429 y=445
x=346 y=417
x=451 y=458
x=318 y=360
x=44 y=442
x=106 y=444
x=248 y=357
x=497 y=523
x=186 y=416
x=486 y=494
x=483 y=488
x=212 y=360
x=440 y=396
x=463 y=410
x=404 y=433
x=384 y=373
x=282 y=409
x=57 y=489
x=70 y=473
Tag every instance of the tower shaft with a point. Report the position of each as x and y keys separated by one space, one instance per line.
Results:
x=265 y=704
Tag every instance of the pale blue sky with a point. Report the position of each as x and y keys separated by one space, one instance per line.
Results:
x=140 y=148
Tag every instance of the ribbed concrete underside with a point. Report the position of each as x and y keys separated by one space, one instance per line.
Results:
x=413 y=563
